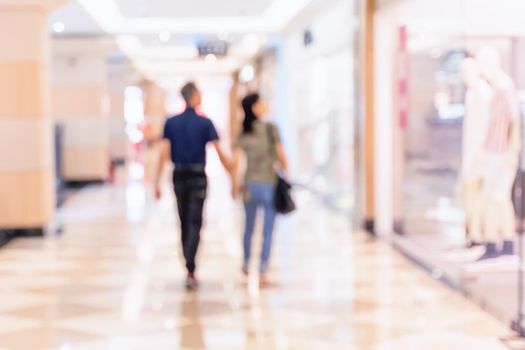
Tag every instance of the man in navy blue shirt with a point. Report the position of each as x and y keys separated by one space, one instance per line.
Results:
x=186 y=137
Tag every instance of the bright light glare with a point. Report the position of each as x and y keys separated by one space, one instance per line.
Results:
x=133 y=105
x=136 y=171
x=134 y=134
x=169 y=324
x=135 y=202
x=164 y=36
x=247 y=73
x=211 y=58
x=59 y=27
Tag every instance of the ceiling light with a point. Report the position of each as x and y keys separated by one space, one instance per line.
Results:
x=59 y=27
x=211 y=58
x=164 y=36
x=247 y=74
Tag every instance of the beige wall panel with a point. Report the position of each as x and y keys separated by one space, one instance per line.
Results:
x=27 y=199
x=78 y=101
x=117 y=105
x=119 y=148
x=26 y=144
x=118 y=138
x=22 y=36
x=86 y=132
x=23 y=89
x=85 y=164
x=78 y=69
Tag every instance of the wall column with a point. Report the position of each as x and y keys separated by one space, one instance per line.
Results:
x=81 y=105
x=27 y=184
x=370 y=132
x=364 y=115
x=154 y=109
x=155 y=117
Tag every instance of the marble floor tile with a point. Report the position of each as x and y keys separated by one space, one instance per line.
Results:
x=114 y=281
x=43 y=338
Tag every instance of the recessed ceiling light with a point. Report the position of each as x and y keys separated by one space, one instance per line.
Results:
x=164 y=36
x=59 y=27
x=211 y=58
x=247 y=74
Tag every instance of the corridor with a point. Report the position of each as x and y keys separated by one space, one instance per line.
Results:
x=114 y=280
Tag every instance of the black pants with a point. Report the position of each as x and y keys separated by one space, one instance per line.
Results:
x=190 y=190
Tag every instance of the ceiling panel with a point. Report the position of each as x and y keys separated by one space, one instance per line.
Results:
x=193 y=8
x=75 y=19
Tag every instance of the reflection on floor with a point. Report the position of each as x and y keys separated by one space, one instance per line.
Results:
x=113 y=281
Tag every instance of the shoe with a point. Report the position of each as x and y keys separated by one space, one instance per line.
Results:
x=191 y=282
x=265 y=283
x=508 y=248
x=245 y=270
x=490 y=252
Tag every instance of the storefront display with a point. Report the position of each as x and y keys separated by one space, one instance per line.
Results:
x=455 y=97
x=475 y=127
x=457 y=87
x=325 y=160
x=319 y=58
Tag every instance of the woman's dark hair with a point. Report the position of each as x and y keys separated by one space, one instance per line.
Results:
x=249 y=116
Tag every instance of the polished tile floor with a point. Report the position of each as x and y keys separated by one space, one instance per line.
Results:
x=113 y=280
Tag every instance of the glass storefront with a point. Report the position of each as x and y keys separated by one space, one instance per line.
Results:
x=325 y=127
x=463 y=86
x=319 y=57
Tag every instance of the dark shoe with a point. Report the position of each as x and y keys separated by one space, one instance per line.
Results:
x=245 y=270
x=191 y=282
x=490 y=252
x=508 y=248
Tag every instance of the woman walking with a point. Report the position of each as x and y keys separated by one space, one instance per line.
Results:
x=265 y=158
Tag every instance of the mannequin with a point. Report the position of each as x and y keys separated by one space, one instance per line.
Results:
x=502 y=145
x=475 y=125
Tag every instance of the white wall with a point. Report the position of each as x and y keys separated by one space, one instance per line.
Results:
x=307 y=70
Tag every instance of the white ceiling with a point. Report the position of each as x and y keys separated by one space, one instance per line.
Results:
x=193 y=8
x=76 y=20
x=136 y=24
x=211 y=16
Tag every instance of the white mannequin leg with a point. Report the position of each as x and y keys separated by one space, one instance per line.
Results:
x=491 y=222
x=508 y=219
x=474 y=209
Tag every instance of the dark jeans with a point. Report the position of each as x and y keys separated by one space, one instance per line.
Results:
x=190 y=190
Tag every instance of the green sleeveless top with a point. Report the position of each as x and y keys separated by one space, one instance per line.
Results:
x=259 y=146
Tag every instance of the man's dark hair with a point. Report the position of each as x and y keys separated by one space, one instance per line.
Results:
x=188 y=91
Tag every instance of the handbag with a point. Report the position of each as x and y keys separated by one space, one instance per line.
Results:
x=283 y=201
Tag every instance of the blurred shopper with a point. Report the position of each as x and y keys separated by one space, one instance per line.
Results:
x=186 y=136
x=265 y=157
